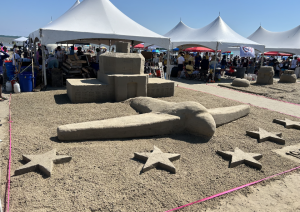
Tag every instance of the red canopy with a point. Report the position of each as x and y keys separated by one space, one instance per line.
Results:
x=199 y=49
x=277 y=54
x=139 y=46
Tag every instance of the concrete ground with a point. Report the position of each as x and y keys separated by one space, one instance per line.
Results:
x=258 y=101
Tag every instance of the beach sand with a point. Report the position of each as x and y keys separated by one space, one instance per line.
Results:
x=103 y=176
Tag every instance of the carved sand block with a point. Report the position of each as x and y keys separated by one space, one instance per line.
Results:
x=288 y=76
x=265 y=75
x=157 y=118
x=240 y=83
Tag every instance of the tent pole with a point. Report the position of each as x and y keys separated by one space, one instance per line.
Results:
x=44 y=65
x=216 y=52
x=262 y=59
x=132 y=46
x=34 y=51
x=168 y=63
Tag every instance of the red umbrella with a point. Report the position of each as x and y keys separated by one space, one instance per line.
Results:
x=199 y=49
x=277 y=54
x=139 y=46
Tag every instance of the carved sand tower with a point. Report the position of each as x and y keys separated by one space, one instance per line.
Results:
x=121 y=76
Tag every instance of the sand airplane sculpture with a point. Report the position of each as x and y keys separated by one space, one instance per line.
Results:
x=156 y=117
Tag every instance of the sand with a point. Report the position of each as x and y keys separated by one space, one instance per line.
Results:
x=103 y=176
x=288 y=92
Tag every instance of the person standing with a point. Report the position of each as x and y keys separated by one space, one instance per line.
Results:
x=3 y=56
x=180 y=62
x=223 y=65
x=197 y=60
x=294 y=63
x=15 y=57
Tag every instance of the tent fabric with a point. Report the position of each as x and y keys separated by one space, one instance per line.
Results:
x=287 y=41
x=75 y=5
x=102 y=22
x=216 y=35
x=21 y=39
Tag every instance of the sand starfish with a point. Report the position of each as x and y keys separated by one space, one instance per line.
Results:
x=43 y=162
x=288 y=123
x=157 y=158
x=238 y=157
x=263 y=135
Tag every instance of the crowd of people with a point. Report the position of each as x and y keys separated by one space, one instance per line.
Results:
x=208 y=67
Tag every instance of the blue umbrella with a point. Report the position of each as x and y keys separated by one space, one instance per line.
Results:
x=176 y=49
x=155 y=50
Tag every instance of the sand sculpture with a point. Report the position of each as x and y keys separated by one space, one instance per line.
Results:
x=263 y=135
x=238 y=157
x=121 y=76
x=288 y=123
x=240 y=83
x=157 y=159
x=265 y=75
x=288 y=76
x=156 y=117
x=43 y=162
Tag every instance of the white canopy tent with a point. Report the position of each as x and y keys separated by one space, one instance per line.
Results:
x=288 y=41
x=21 y=39
x=217 y=36
x=103 y=23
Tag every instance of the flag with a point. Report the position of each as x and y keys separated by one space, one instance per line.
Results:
x=247 y=51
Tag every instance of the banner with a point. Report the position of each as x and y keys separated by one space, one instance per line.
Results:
x=247 y=51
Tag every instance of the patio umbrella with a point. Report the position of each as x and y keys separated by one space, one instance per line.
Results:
x=139 y=46
x=198 y=49
x=277 y=54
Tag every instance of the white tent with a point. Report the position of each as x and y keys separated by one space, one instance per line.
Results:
x=288 y=41
x=102 y=23
x=75 y=5
x=21 y=39
x=217 y=36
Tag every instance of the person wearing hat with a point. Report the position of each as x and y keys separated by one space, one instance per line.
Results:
x=3 y=56
x=52 y=62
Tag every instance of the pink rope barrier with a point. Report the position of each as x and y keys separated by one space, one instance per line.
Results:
x=9 y=160
x=232 y=190
x=240 y=187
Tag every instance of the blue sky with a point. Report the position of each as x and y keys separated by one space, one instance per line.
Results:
x=161 y=16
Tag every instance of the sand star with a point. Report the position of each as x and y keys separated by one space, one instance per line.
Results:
x=43 y=162
x=288 y=123
x=263 y=135
x=238 y=157
x=157 y=159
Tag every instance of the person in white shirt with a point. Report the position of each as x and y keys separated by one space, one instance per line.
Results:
x=59 y=54
x=294 y=63
x=15 y=57
x=180 y=62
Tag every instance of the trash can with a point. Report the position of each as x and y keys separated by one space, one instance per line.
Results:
x=240 y=72
x=25 y=80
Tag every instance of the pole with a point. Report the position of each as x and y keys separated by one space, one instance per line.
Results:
x=216 y=52
x=132 y=42
x=32 y=73
x=168 y=74
x=44 y=65
x=34 y=51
